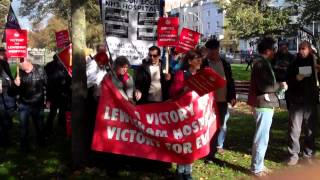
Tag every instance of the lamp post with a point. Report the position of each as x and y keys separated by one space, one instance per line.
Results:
x=201 y=25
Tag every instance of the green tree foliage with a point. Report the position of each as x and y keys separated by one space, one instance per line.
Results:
x=44 y=36
x=4 y=7
x=37 y=10
x=253 y=18
x=309 y=10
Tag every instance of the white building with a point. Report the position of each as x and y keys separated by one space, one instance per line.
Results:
x=203 y=16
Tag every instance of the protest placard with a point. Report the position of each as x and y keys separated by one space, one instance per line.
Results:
x=168 y=28
x=17 y=43
x=188 y=40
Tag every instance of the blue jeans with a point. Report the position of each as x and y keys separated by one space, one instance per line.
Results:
x=261 y=139
x=223 y=131
x=184 y=168
x=37 y=115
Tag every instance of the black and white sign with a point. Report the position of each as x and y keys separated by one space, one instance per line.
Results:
x=130 y=27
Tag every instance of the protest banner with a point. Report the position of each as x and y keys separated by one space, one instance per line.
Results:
x=130 y=27
x=168 y=28
x=62 y=38
x=188 y=40
x=17 y=43
x=65 y=57
x=174 y=131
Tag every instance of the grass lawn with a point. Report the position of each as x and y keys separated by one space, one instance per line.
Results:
x=239 y=72
x=54 y=161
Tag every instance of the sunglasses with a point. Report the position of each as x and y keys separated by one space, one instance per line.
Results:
x=153 y=55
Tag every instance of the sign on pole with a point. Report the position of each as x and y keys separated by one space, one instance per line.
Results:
x=17 y=43
x=130 y=27
x=65 y=57
x=62 y=38
x=168 y=28
x=188 y=40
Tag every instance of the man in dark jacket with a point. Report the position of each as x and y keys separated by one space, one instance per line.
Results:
x=224 y=95
x=303 y=95
x=263 y=100
x=4 y=63
x=7 y=99
x=58 y=92
x=280 y=64
x=30 y=84
x=151 y=82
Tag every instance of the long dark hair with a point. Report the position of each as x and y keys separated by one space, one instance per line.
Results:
x=190 y=55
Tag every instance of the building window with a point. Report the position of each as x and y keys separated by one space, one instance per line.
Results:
x=219 y=11
x=208 y=26
x=218 y=24
x=209 y=13
x=195 y=16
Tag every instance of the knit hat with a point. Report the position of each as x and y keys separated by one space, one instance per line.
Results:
x=212 y=44
x=101 y=58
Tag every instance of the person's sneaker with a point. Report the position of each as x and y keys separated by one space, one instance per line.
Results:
x=265 y=172
x=292 y=161
x=260 y=174
x=187 y=177
x=268 y=171
x=209 y=161
x=308 y=160
x=220 y=151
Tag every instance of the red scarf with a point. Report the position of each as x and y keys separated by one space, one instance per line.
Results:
x=124 y=79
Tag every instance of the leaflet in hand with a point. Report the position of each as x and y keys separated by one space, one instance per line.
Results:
x=305 y=71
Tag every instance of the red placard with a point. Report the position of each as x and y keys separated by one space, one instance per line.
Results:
x=188 y=40
x=17 y=43
x=174 y=131
x=62 y=38
x=168 y=28
x=205 y=81
x=65 y=57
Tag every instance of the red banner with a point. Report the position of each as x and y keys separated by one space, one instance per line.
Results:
x=168 y=28
x=65 y=57
x=17 y=43
x=205 y=81
x=174 y=131
x=188 y=40
x=62 y=38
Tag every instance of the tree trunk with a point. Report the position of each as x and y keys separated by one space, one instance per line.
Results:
x=79 y=87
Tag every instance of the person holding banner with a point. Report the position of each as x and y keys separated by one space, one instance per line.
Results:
x=95 y=68
x=224 y=95
x=192 y=62
x=151 y=82
x=262 y=98
x=95 y=71
x=30 y=82
x=122 y=79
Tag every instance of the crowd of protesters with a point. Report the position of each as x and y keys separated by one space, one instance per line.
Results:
x=28 y=93
x=272 y=74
